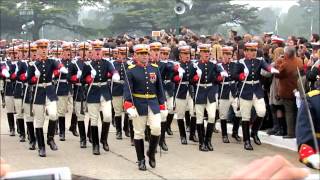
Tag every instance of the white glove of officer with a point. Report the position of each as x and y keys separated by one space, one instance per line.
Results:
x=133 y=113
x=195 y=65
x=37 y=73
x=63 y=70
x=115 y=77
x=274 y=70
x=199 y=72
x=93 y=73
x=6 y=73
x=181 y=71
x=79 y=73
x=224 y=74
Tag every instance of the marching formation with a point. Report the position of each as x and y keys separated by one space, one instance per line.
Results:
x=139 y=88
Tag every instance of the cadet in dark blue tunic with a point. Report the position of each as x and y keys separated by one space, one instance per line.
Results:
x=144 y=99
x=95 y=74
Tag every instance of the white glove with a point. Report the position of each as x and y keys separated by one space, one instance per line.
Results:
x=63 y=70
x=115 y=77
x=93 y=73
x=133 y=113
x=274 y=70
x=37 y=73
x=296 y=93
x=129 y=62
x=79 y=73
x=314 y=160
x=181 y=71
x=246 y=71
x=224 y=74
x=199 y=72
x=195 y=65
x=164 y=114
x=6 y=73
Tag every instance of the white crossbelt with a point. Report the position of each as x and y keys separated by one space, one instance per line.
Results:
x=44 y=84
x=252 y=82
x=99 y=84
x=205 y=85
x=230 y=82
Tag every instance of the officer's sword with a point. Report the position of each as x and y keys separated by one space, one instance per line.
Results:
x=242 y=87
x=58 y=83
x=35 y=92
x=309 y=113
x=27 y=85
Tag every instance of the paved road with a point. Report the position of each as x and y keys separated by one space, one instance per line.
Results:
x=180 y=162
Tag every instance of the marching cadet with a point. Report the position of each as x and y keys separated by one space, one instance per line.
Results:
x=120 y=64
x=227 y=96
x=20 y=74
x=28 y=96
x=8 y=71
x=79 y=96
x=115 y=53
x=144 y=99
x=251 y=92
x=63 y=89
x=45 y=97
x=205 y=73
x=167 y=71
x=184 y=96
x=95 y=74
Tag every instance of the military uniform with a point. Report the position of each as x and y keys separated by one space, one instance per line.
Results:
x=95 y=73
x=184 y=96
x=227 y=97
x=117 y=95
x=205 y=74
x=79 y=92
x=144 y=98
x=45 y=97
x=251 y=93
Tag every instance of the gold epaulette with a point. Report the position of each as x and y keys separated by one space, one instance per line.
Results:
x=313 y=93
x=131 y=66
x=154 y=65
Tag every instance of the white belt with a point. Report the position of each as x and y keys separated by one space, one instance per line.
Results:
x=63 y=80
x=185 y=83
x=120 y=82
x=252 y=82
x=99 y=84
x=8 y=80
x=18 y=82
x=167 y=81
x=44 y=84
x=230 y=82
x=205 y=85
x=77 y=84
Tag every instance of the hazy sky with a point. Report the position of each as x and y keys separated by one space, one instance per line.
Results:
x=284 y=4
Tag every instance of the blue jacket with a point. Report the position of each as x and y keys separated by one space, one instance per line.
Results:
x=142 y=81
x=46 y=69
x=254 y=67
x=117 y=87
x=19 y=87
x=78 y=91
x=229 y=84
x=303 y=128
x=64 y=86
x=102 y=67
x=10 y=84
x=167 y=74
x=186 y=82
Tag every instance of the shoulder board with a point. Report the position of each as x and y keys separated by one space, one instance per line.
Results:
x=313 y=93
x=131 y=66
x=154 y=65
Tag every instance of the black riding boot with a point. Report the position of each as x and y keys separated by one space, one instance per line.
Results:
x=139 y=146
x=131 y=132
x=89 y=134
x=154 y=140
x=169 y=121
x=202 y=146
x=32 y=138
x=188 y=120
x=182 y=131
x=147 y=133
x=255 y=128
x=50 y=135
x=82 y=132
x=208 y=137
x=62 y=128
x=117 y=121
x=126 y=125
x=235 y=129
x=73 y=125
x=95 y=140
x=162 y=141
x=40 y=140
x=246 y=137
x=224 y=132
x=104 y=135
x=193 y=124
x=10 y=117
x=22 y=130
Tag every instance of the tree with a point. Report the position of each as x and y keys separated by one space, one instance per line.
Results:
x=44 y=12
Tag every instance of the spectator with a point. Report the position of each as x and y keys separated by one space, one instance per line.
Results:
x=287 y=83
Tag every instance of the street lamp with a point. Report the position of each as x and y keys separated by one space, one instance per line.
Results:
x=179 y=9
x=26 y=11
